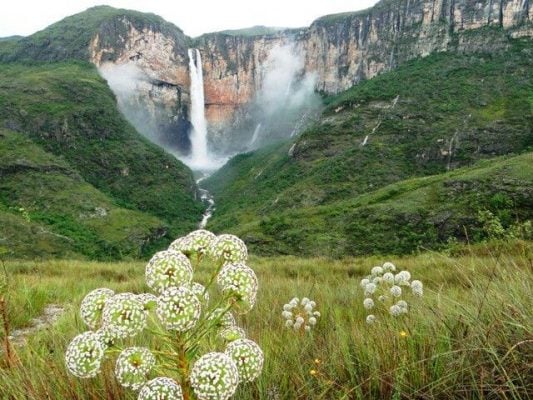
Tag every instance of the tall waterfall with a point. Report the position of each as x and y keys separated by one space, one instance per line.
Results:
x=199 y=158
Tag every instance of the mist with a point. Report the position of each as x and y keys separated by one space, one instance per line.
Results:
x=150 y=106
x=287 y=100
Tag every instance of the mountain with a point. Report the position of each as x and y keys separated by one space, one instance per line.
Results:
x=80 y=172
x=393 y=163
x=439 y=85
x=334 y=53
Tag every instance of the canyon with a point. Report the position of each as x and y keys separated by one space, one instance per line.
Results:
x=334 y=53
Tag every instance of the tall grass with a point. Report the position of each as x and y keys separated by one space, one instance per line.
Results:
x=470 y=336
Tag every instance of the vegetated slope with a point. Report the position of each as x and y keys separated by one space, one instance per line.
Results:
x=427 y=117
x=68 y=111
x=69 y=38
x=47 y=209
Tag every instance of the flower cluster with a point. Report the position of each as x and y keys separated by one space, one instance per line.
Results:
x=300 y=315
x=179 y=305
x=248 y=357
x=229 y=249
x=92 y=306
x=214 y=376
x=161 y=389
x=240 y=283
x=384 y=289
x=133 y=366
x=84 y=355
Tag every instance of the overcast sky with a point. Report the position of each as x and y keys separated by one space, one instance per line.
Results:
x=20 y=17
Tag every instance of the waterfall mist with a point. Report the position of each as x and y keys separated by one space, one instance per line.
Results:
x=153 y=107
x=286 y=100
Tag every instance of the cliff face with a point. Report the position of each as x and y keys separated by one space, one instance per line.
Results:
x=147 y=69
x=340 y=50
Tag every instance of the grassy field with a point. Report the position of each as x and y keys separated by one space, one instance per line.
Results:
x=470 y=336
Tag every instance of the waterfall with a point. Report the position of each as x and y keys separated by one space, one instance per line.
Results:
x=255 y=136
x=199 y=158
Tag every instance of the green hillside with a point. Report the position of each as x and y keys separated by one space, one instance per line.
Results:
x=46 y=208
x=66 y=116
x=428 y=117
x=69 y=38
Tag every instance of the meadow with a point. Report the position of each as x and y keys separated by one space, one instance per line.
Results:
x=470 y=336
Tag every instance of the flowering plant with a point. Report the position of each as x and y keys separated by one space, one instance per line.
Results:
x=202 y=353
x=300 y=315
x=387 y=291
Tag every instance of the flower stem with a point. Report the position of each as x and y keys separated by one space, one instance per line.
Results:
x=183 y=365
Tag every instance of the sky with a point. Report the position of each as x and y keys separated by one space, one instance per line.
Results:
x=194 y=17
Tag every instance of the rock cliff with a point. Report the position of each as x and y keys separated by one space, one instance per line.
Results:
x=340 y=50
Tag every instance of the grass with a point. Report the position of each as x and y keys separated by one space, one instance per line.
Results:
x=469 y=337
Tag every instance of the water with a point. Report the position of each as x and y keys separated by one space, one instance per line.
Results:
x=255 y=135
x=199 y=158
x=208 y=199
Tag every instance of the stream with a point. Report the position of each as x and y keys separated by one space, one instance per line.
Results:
x=207 y=198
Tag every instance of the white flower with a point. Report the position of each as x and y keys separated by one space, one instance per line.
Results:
x=418 y=291
x=84 y=355
x=388 y=266
x=377 y=280
x=124 y=315
x=168 y=269
x=214 y=376
x=388 y=277
x=396 y=291
x=248 y=357
x=395 y=310
x=200 y=241
x=307 y=328
x=312 y=321
x=402 y=304
x=300 y=320
x=304 y=301
x=182 y=245
x=297 y=325
x=287 y=307
x=289 y=323
x=133 y=365
x=402 y=277
x=200 y=292
x=229 y=248
x=382 y=298
x=148 y=300
x=286 y=314
x=240 y=282
x=316 y=313
x=416 y=284
x=370 y=319
x=364 y=282
x=92 y=306
x=161 y=389
x=370 y=288
x=308 y=308
x=368 y=303
x=178 y=308
x=232 y=333
x=376 y=271
x=222 y=318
